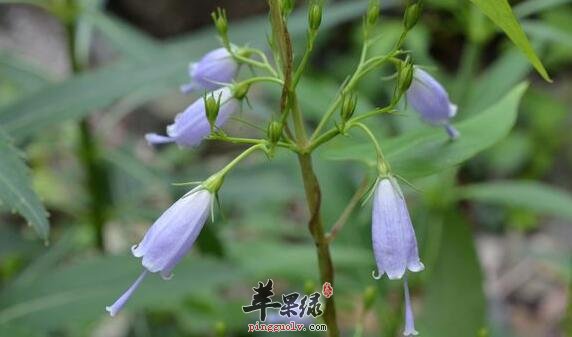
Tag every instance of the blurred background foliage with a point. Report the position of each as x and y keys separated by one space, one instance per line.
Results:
x=494 y=231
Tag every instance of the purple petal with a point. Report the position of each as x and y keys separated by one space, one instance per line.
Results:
x=191 y=126
x=409 y=319
x=153 y=138
x=174 y=233
x=214 y=70
x=452 y=131
x=429 y=98
x=394 y=243
x=118 y=305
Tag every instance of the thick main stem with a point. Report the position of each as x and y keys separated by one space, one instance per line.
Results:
x=316 y=227
x=289 y=102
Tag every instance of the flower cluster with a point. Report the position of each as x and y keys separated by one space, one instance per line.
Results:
x=394 y=242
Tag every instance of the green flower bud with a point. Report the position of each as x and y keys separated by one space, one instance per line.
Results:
x=372 y=12
x=240 y=90
x=221 y=22
x=212 y=106
x=405 y=76
x=274 y=131
x=412 y=14
x=309 y=287
x=220 y=329
x=349 y=104
x=369 y=296
x=287 y=7
x=315 y=16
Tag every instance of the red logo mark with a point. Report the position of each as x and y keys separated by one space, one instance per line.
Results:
x=327 y=290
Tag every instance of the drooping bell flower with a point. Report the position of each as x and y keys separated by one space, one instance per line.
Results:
x=216 y=69
x=394 y=242
x=192 y=126
x=431 y=101
x=169 y=238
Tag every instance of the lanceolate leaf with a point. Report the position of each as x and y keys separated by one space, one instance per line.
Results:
x=535 y=196
x=501 y=14
x=168 y=68
x=429 y=151
x=15 y=188
x=454 y=291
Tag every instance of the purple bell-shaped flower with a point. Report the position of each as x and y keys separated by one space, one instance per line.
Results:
x=192 y=125
x=216 y=69
x=394 y=242
x=169 y=239
x=431 y=101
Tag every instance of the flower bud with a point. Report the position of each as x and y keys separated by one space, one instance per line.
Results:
x=220 y=329
x=315 y=16
x=369 y=296
x=287 y=7
x=212 y=107
x=274 y=131
x=309 y=286
x=221 y=22
x=412 y=14
x=372 y=12
x=349 y=103
x=405 y=77
x=240 y=90
x=192 y=126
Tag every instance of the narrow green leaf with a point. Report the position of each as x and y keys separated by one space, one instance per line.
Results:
x=545 y=31
x=16 y=190
x=429 y=151
x=125 y=39
x=531 y=7
x=454 y=291
x=80 y=95
x=501 y=14
x=534 y=196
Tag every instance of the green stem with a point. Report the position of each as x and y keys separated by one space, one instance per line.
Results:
x=305 y=57
x=311 y=185
x=240 y=157
x=246 y=60
x=316 y=227
x=344 y=217
x=383 y=166
x=262 y=79
x=96 y=180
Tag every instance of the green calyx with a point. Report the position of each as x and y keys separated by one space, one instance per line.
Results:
x=213 y=183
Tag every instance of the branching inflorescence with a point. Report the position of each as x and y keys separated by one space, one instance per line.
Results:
x=394 y=242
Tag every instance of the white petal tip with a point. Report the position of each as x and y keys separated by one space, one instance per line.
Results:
x=452 y=110
x=410 y=333
x=111 y=312
x=167 y=277
x=416 y=267
x=395 y=276
x=376 y=276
